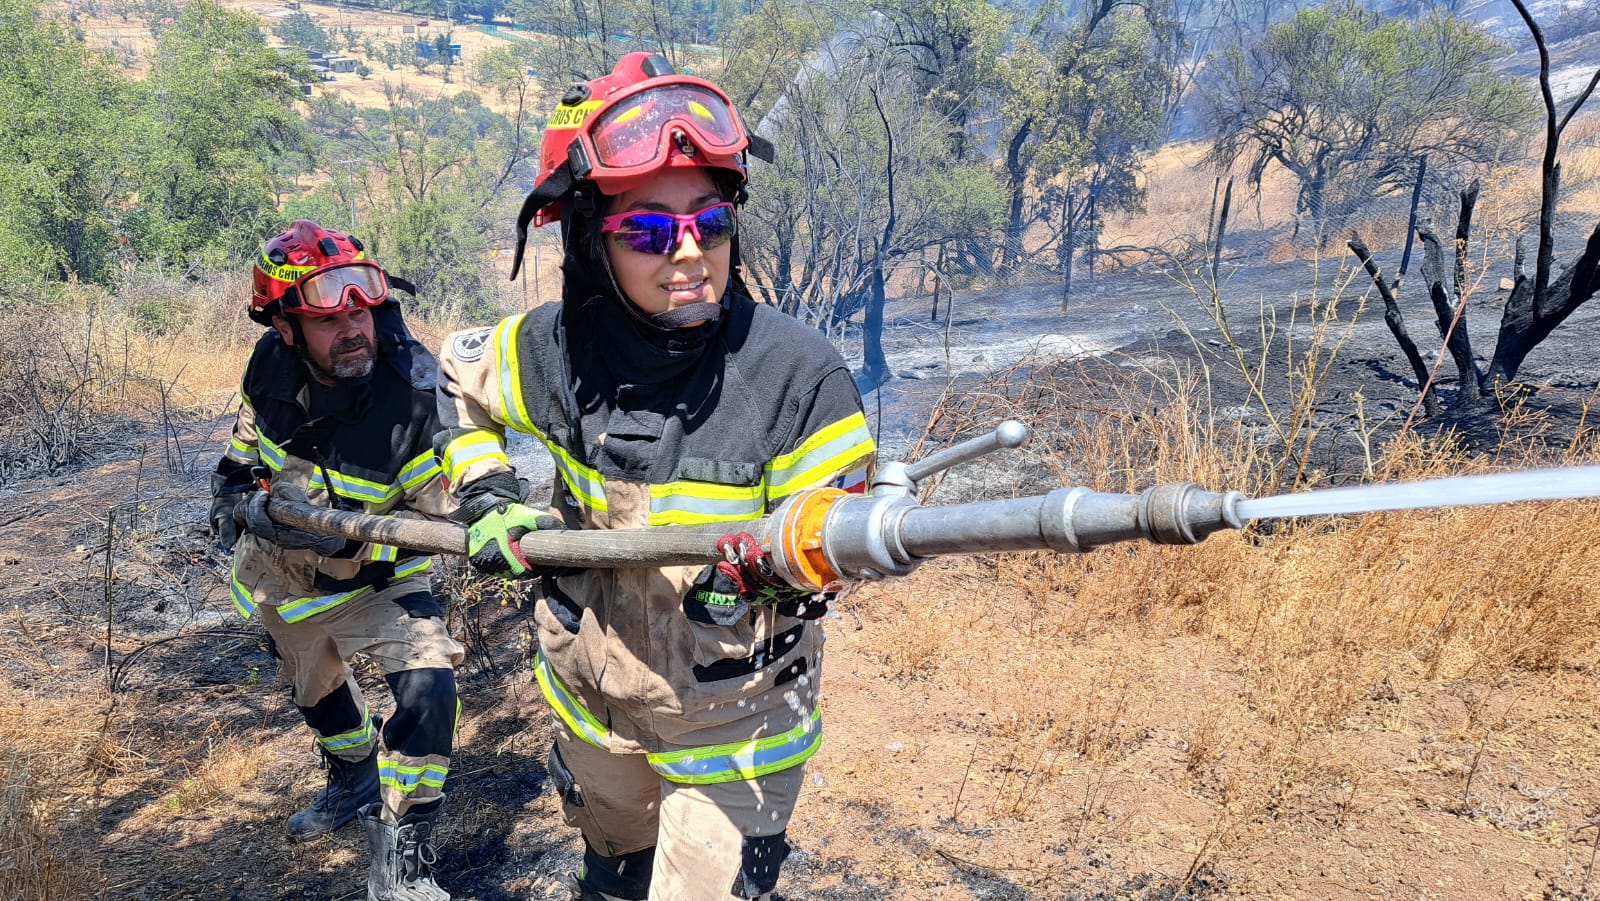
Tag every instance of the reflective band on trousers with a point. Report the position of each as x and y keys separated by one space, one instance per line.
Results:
x=731 y=762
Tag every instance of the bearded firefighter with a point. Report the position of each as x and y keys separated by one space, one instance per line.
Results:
x=338 y=399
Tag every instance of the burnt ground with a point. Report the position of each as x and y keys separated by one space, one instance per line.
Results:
x=176 y=781
x=1148 y=317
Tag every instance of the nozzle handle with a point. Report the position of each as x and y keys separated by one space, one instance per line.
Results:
x=1007 y=434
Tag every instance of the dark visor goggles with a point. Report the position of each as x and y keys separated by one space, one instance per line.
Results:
x=338 y=289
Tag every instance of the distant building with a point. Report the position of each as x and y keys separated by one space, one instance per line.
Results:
x=341 y=64
x=426 y=50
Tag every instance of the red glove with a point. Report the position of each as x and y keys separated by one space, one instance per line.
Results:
x=745 y=564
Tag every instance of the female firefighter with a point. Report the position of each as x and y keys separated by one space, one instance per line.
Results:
x=684 y=698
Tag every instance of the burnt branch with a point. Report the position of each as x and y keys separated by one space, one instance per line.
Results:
x=1469 y=202
x=1525 y=323
x=1397 y=326
x=1452 y=324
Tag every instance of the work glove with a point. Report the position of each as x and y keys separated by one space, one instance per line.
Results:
x=725 y=592
x=492 y=538
x=228 y=491
x=259 y=524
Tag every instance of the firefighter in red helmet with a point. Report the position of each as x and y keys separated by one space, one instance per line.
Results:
x=684 y=699
x=338 y=399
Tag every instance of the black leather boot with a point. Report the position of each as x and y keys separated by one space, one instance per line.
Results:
x=351 y=786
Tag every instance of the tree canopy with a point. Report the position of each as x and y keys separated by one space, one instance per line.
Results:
x=1341 y=96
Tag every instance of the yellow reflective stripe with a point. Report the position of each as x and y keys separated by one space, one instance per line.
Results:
x=741 y=760
x=473 y=447
x=505 y=340
x=730 y=762
x=284 y=272
x=422 y=468
x=413 y=566
x=355 y=738
x=242 y=601
x=271 y=453
x=305 y=608
x=688 y=503
x=580 y=721
x=565 y=116
x=354 y=487
x=385 y=552
x=586 y=484
x=406 y=779
x=246 y=453
x=830 y=451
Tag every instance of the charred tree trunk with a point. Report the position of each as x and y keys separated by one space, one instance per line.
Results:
x=1451 y=319
x=1526 y=322
x=1397 y=326
x=1411 y=222
x=874 y=366
x=1220 y=232
x=1537 y=306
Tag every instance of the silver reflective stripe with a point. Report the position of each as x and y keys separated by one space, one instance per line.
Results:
x=738 y=761
x=687 y=509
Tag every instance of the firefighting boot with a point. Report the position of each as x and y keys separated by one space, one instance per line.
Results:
x=351 y=786
x=580 y=892
x=403 y=857
x=625 y=877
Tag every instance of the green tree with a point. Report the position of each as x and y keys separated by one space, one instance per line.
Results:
x=1346 y=100
x=1082 y=105
x=299 y=29
x=219 y=109
x=61 y=154
x=866 y=177
x=423 y=175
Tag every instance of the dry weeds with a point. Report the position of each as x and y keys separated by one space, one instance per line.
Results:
x=1234 y=671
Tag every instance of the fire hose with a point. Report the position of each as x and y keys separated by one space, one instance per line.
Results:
x=822 y=537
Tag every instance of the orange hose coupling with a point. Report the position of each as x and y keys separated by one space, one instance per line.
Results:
x=794 y=539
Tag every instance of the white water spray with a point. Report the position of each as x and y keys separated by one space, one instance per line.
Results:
x=1457 y=491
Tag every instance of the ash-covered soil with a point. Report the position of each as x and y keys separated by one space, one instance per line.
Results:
x=195 y=757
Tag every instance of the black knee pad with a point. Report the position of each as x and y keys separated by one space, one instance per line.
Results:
x=424 y=720
x=624 y=876
x=336 y=713
x=762 y=857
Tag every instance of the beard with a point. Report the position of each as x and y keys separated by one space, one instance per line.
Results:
x=344 y=364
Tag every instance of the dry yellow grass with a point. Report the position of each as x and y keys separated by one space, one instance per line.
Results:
x=46 y=751
x=1257 y=655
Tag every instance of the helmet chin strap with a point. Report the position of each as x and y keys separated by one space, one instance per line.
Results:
x=668 y=320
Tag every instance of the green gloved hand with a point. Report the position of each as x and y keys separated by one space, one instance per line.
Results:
x=492 y=538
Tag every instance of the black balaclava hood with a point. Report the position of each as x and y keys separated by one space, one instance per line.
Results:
x=586 y=269
x=393 y=347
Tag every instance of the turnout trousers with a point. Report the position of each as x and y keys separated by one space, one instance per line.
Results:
x=711 y=842
x=398 y=628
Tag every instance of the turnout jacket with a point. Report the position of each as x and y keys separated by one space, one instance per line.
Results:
x=711 y=424
x=366 y=447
